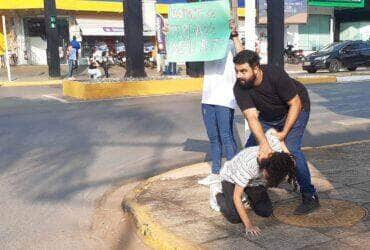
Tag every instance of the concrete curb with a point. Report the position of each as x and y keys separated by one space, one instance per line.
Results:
x=149 y=230
x=353 y=78
x=98 y=91
x=31 y=84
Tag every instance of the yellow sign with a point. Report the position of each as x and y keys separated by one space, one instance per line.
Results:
x=114 y=6
x=78 y=5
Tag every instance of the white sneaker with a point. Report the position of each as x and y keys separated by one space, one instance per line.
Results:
x=210 y=179
x=214 y=189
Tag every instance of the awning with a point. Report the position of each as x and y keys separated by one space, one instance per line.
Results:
x=104 y=27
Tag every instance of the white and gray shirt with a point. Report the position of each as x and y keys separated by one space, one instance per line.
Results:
x=243 y=169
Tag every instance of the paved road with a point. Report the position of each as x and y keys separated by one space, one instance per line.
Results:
x=58 y=158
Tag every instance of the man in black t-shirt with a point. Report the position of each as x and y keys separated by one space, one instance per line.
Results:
x=269 y=98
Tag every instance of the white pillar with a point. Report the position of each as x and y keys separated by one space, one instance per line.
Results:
x=6 y=49
x=332 y=28
x=250 y=37
x=250 y=24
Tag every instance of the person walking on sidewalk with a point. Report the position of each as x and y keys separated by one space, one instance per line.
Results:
x=218 y=104
x=269 y=98
x=71 y=57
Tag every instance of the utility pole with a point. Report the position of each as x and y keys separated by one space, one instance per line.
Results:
x=250 y=24
x=234 y=11
x=51 y=30
x=134 y=41
x=275 y=32
x=6 y=53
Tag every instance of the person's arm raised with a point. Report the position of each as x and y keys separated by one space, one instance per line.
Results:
x=235 y=37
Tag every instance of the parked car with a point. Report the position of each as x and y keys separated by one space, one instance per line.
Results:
x=348 y=54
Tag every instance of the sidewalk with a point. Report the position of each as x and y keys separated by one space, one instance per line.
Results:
x=172 y=211
x=33 y=74
x=39 y=74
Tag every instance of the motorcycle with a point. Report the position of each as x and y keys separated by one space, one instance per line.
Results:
x=119 y=57
x=293 y=56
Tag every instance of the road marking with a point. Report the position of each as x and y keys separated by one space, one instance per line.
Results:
x=353 y=122
x=55 y=98
x=132 y=97
x=337 y=145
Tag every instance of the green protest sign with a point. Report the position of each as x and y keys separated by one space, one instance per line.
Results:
x=198 y=31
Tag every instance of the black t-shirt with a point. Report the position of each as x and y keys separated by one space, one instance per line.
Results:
x=271 y=96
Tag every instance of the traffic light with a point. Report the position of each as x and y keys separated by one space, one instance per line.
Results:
x=52 y=38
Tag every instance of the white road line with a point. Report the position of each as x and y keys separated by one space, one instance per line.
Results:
x=55 y=98
x=353 y=122
x=133 y=97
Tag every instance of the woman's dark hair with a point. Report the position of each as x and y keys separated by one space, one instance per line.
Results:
x=279 y=166
x=247 y=56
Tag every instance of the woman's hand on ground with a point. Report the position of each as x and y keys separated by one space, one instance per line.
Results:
x=255 y=231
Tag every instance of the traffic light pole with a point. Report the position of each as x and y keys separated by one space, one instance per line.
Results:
x=52 y=38
x=134 y=41
x=275 y=32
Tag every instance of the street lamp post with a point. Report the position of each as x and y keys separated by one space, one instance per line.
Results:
x=51 y=30
x=134 y=41
x=275 y=32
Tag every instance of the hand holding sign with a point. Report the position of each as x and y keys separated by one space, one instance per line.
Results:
x=198 y=31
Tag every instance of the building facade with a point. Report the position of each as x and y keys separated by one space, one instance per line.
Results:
x=94 y=21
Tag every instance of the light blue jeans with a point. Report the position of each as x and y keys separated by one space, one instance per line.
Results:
x=70 y=67
x=219 y=121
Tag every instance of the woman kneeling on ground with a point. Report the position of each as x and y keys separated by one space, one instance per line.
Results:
x=241 y=177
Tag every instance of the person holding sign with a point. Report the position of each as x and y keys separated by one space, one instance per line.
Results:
x=269 y=98
x=218 y=104
x=199 y=32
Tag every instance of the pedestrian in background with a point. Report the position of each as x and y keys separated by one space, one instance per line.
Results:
x=71 y=58
x=76 y=46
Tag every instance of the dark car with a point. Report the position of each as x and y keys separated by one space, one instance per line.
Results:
x=349 y=54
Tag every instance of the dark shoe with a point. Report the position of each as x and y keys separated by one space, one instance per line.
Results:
x=308 y=205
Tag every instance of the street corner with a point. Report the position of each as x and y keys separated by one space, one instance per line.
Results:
x=174 y=209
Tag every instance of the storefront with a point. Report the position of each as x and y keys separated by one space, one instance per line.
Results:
x=91 y=21
x=353 y=24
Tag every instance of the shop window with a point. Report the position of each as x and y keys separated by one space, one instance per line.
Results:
x=35 y=27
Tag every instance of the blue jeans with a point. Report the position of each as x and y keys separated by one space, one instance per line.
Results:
x=293 y=142
x=70 y=67
x=219 y=122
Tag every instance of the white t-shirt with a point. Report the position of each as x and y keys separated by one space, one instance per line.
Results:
x=219 y=80
x=244 y=167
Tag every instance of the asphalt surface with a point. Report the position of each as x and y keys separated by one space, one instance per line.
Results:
x=59 y=157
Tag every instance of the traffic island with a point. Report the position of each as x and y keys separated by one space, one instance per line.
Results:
x=111 y=90
x=172 y=211
x=92 y=90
